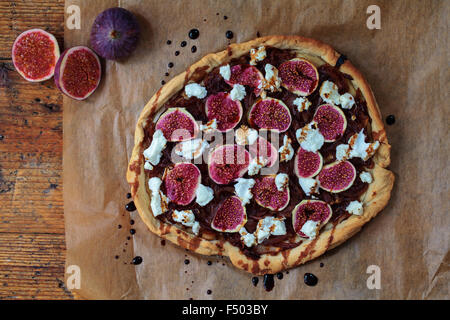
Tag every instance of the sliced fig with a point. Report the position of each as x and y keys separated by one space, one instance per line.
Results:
x=227 y=163
x=337 y=176
x=230 y=216
x=78 y=72
x=226 y=111
x=310 y=210
x=264 y=149
x=331 y=122
x=248 y=76
x=307 y=164
x=299 y=76
x=34 y=55
x=267 y=195
x=177 y=124
x=182 y=182
x=271 y=114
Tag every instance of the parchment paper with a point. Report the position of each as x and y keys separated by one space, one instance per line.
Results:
x=406 y=62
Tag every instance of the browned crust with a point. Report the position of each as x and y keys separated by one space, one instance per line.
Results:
x=374 y=200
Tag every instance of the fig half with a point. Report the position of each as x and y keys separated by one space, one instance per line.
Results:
x=337 y=176
x=226 y=111
x=177 y=124
x=230 y=216
x=310 y=210
x=271 y=114
x=307 y=164
x=182 y=182
x=265 y=150
x=248 y=76
x=34 y=55
x=299 y=76
x=331 y=122
x=267 y=195
x=227 y=163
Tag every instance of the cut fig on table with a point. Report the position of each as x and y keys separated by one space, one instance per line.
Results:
x=299 y=76
x=307 y=164
x=78 y=72
x=331 y=122
x=310 y=210
x=226 y=111
x=34 y=54
x=182 y=182
x=248 y=76
x=270 y=114
x=177 y=124
x=264 y=149
x=337 y=176
x=267 y=195
x=230 y=215
x=227 y=163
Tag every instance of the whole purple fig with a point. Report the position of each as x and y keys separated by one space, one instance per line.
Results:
x=115 y=33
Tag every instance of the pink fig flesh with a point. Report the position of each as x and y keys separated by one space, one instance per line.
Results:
x=267 y=195
x=331 y=122
x=35 y=53
x=266 y=150
x=230 y=216
x=271 y=114
x=227 y=163
x=248 y=76
x=182 y=182
x=307 y=164
x=337 y=176
x=177 y=124
x=227 y=112
x=315 y=210
x=299 y=76
x=78 y=72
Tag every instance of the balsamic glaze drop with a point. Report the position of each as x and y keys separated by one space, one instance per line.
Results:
x=194 y=34
x=258 y=34
x=255 y=281
x=131 y=222
x=169 y=42
x=136 y=260
x=163 y=82
x=209 y=263
x=321 y=265
x=390 y=119
x=225 y=17
x=268 y=282
x=132 y=231
x=183 y=43
x=209 y=292
x=119 y=226
x=194 y=49
x=170 y=65
x=116 y=257
x=166 y=74
x=163 y=242
x=186 y=261
x=130 y=206
x=177 y=53
x=128 y=195
x=310 y=279
x=279 y=275
x=2 y=137
x=229 y=34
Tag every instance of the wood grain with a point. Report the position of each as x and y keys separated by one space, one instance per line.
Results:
x=32 y=249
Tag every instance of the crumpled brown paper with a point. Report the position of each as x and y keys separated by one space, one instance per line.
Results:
x=406 y=64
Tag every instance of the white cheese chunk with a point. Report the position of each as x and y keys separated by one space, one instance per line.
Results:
x=245 y=135
x=355 y=207
x=185 y=217
x=209 y=127
x=286 y=151
x=269 y=226
x=329 y=92
x=196 y=228
x=342 y=152
x=243 y=189
x=281 y=181
x=347 y=101
x=309 y=185
x=246 y=237
x=357 y=148
x=272 y=81
x=310 y=138
x=302 y=104
x=257 y=55
x=159 y=202
x=148 y=165
x=191 y=149
x=225 y=72
x=310 y=228
x=255 y=165
x=238 y=92
x=204 y=195
x=195 y=90
x=154 y=152
x=365 y=177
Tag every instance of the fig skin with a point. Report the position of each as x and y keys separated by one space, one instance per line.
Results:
x=222 y=172
x=263 y=148
x=35 y=49
x=305 y=158
x=331 y=121
x=271 y=114
x=182 y=182
x=299 y=76
x=337 y=176
x=115 y=34
x=267 y=195
x=91 y=78
x=248 y=76
x=230 y=216
x=168 y=123
x=315 y=210
x=227 y=112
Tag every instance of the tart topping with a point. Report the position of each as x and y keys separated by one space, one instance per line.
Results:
x=365 y=177
x=153 y=152
x=247 y=238
x=309 y=185
x=329 y=93
x=355 y=207
x=269 y=226
x=357 y=148
x=224 y=109
x=307 y=163
x=243 y=189
x=302 y=104
x=191 y=149
x=148 y=165
x=159 y=202
x=256 y=164
x=265 y=150
x=203 y=195
x=281 y=181
x=195 y=90
x=182 y=182
x=347 y=101
x=225 y=72
x=245 y=135
x=270 y=114
x=227 y=163
x=267 y=195
x=316 y=211
x=337 y=176
x=209 y=127
x=299 y=76
x=238 y=92
x=257 y=55
x=186 y=218
x=286 y=151
x=310 y=138
x=247 y=76
x=230 y=216
x=272 y=82
x=330 y=121
x=177 y=125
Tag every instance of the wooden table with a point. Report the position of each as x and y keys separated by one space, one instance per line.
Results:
x=32 y=249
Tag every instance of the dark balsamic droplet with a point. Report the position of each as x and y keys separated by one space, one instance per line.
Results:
x=229 y=34
x=136 y=260
x=128 y=195
x=209 y=263
x=163 y=82
x=255 y=281
x=2 y=137
x=177 y=53
x=119 y=226
x=131 y=222
x=186 y=261
x=169 y=42
x=128 y=238
x=340 y=61
x=390 y=119
x=130 y=206
x=166 y=74
x=194 y=34
x=258 y=34
x=209 y=292
x=321 y=265
x=116 y=257
x=194 y=49
x=310 y=279
x=217 y=14
x=183 y=43
x=279 y=275
x=225 y=17
x=163 y=242
x=170 y=65
x=132 y=231
x=268 y=282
